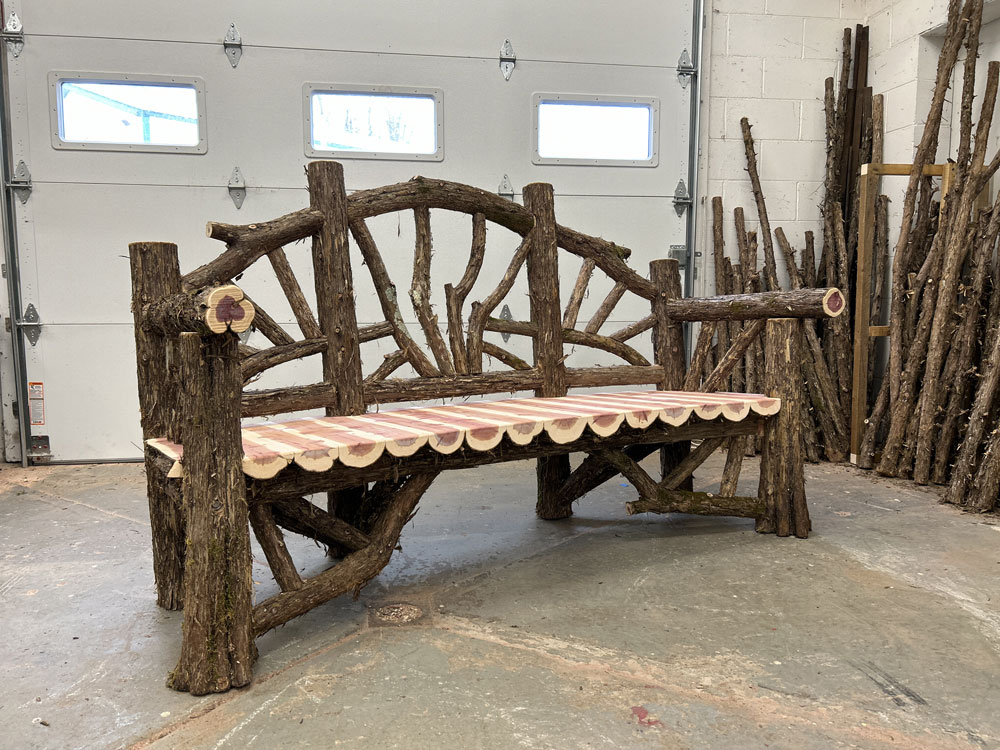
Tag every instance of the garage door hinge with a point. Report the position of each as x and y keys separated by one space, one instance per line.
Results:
x=233 y=45
x=685 y=69
x=506 y=314
x=13 y=34
x=20 y=182
x=506 y=190
x=30 y=324
x=682 y=199
x=237 y=187
x=507 y=59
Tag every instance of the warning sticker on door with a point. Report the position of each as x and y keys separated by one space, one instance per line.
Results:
x=36 y=404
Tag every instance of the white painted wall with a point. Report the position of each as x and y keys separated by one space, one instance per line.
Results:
x=767 y=62
x=766 y=59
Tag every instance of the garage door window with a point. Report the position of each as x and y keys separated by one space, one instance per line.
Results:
x=595 y=130
x=125 y=113
x=373 y=123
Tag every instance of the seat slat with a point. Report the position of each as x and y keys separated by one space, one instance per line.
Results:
x=316 y=443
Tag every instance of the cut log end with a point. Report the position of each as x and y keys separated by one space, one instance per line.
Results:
x=226 y=309
x=833 y=303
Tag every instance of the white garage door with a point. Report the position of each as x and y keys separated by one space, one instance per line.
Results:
x=87 y=202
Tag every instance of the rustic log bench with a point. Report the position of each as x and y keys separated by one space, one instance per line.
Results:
x=210 y=480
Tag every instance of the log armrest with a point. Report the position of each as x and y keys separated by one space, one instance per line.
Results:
x=207 y=311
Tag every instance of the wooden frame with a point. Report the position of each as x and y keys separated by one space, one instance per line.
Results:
x=870 y=181
x=192 y=372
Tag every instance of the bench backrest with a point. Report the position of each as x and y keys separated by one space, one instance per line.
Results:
x=451 y=361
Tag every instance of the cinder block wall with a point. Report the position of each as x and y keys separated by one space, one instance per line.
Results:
x=767 y=60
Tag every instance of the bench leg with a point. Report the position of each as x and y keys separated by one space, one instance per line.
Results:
x=671 y=456
x=345 y=504
x=218 y=649
x=782 y=480
x=166 y=517
x=553 y=503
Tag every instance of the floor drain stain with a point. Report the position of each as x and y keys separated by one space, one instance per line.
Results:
x=396 y=614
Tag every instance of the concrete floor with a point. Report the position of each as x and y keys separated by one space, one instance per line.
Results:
x=603 y=631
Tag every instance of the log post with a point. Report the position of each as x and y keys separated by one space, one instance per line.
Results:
x=782 y=482
x=546 y=314
x=156 y=275
x=335 y=300
x=668 y=349
x=218 y=650
x=335 y=286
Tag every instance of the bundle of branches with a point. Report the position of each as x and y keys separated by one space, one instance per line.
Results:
x=943 y=314
x=853 y=131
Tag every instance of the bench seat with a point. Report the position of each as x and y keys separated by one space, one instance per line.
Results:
x=316 y=443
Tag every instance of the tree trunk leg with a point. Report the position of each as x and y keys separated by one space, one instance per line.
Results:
x=218 y=649
x=782 y=480
x=166 y=517
x=156 y=274
x=552 y=473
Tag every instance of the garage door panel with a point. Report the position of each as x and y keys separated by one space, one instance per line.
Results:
x=78 y=268
x=487 y=121
x=633 y=32
x=81 y=249
x=86 y=206
x=91 y=403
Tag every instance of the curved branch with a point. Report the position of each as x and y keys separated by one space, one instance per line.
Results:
x=698 y=359
x=265 y=359
x=248 y=243
x=634 y=329
x=606 y=308
x=476 y=256
x=421 y=191
x=578 y=293
x=390 y=364
x=268 y=326
x=481 y=310
x=508 y=358
x=608 y=256
x=572 y=336
x=293 y=292
x=455 y=295
x=420 y=290
x=386 y=292
x=256 y=361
